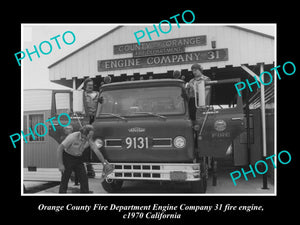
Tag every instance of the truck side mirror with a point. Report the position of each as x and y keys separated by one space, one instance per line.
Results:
x=78 y=101
x=199 y=89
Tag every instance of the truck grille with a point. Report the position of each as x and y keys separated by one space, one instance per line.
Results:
x=152 y=171
x=136 y=171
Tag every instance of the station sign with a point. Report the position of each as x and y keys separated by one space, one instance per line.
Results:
x=164 y=60
x=161 y=47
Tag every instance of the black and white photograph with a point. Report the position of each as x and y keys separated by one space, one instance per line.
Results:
x=146 y=113
x=164 y=109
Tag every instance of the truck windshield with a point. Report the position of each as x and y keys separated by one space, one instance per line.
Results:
x=146 y=100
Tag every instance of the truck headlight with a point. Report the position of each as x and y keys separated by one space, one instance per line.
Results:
x=179 y=142
x=99 y=143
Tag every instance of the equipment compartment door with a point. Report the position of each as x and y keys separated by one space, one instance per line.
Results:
x=218 y=128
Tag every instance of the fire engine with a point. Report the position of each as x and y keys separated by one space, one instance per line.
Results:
x=144 y=129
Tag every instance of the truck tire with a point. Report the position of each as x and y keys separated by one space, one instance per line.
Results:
x=113 y=187
x=199 y=186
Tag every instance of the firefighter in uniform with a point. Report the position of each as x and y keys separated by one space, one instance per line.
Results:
x=69 y=154
x=90 y=103
x=90 y=100
x=197 y=71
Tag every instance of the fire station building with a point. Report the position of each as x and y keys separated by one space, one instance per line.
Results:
x=224 y=52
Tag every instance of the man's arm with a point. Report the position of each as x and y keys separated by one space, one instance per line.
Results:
x=189 y=87
x=107 y=168
x=97 y=152
x=92 y=145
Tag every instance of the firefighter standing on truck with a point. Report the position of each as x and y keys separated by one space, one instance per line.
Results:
x=197 y=71
x=90 y=103
x=90 y=100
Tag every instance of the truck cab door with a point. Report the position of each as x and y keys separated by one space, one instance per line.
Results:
x=219 y=123
x=62 y=102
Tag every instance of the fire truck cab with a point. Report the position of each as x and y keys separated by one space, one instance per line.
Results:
x=144 y=129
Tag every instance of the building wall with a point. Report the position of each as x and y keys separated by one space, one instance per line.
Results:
x=41 y=154
x=244 y=48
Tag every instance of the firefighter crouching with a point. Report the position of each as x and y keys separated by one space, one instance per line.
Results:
x=69 y=155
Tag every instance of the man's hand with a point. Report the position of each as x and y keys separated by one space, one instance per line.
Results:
x=61 y=168
x=90 y=135
x=107 y=168
x=100 y=99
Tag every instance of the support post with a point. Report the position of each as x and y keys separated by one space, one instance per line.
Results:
x=263 y=116
x=74 y=83
x=248 y=126
x=214 y=172
x=263 y=123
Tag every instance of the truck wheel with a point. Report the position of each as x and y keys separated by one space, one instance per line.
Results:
x=199 y=186
x=113 y=187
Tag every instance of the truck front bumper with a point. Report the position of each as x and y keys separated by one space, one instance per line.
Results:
x=156 y=171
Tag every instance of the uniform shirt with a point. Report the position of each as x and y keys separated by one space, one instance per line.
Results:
x=74 y=145
x=91 y=102
x=192 y=82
